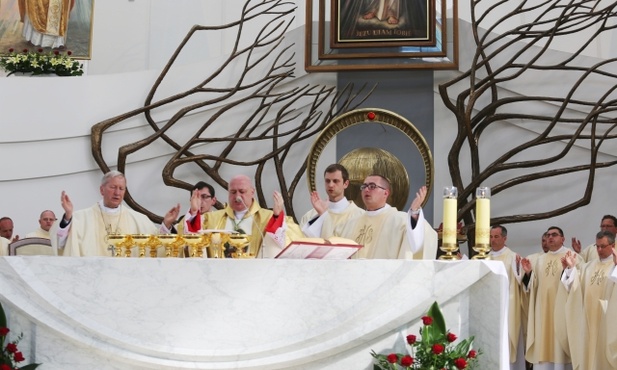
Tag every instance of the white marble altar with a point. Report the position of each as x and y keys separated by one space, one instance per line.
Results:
x=130 y=313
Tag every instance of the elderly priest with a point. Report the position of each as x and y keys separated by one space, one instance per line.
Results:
x=84 y=232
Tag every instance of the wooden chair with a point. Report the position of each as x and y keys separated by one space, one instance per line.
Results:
x=31 y=247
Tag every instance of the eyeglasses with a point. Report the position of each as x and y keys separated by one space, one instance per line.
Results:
x=554 y=235
x=371 y=186
x=205 y=196
x=49 y=219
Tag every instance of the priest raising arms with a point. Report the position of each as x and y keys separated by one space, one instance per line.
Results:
x=269 y=229
x=384 y=232
x=83 y=232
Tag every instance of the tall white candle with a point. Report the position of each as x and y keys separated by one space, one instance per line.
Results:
x=483 y=215
x=449 y=215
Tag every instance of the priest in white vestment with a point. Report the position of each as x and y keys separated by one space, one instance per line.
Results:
x=384 y=232
x=608 y=223
x=337 y=209
x=586 y=293
x=511 y=260
x=84 y=232
x=46 y=220
x=547 y=340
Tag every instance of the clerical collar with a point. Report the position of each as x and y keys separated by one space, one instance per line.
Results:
x=609 y=258
x=338 y=206
x=558 y=250
x=378 y=211
x=499 y=252
x=109 y=210
x=239 y=215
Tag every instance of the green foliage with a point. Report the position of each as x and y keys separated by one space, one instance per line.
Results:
x=39 y=63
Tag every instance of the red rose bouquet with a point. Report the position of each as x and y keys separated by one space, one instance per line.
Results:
x=434 y=350
x=11 y=356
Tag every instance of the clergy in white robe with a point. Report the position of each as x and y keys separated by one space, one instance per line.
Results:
x=586 y=293
x=46 y=220
x=383 y=231
x=337 y=209
x=589 y=253
x=84 y=232
x=511 y=260
x=547 y=340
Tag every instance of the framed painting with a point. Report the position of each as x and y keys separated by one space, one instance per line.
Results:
x=343 y=35
x=63 y=25
x=382 y=23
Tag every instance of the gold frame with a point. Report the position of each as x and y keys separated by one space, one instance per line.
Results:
x=369 y=115
x=336 y=41
x=330 y=60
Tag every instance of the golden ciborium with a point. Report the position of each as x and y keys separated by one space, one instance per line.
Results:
x=141 y=240
x=195 y=242
x=239 y=244
x=170 y=242
x=118 y=241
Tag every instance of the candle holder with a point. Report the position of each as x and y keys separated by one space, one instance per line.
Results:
x=449 y=243
x=483 y=223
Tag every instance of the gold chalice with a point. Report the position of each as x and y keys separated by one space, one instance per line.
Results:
x=195 y=242
x=240 y=243
x=168 y=241
x=117 y=241
x=141 y=240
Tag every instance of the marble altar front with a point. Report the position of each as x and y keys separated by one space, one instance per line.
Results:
x=131 y=313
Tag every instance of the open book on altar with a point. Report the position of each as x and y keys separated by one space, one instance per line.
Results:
x=334 y=248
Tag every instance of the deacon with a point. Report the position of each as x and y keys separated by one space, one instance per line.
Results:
x=83 y=232
x=337 y=209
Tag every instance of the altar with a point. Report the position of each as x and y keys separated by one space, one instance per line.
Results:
x=158 y=313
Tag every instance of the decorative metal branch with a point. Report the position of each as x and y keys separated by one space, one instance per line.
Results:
x=520 y=53
x=280 y=117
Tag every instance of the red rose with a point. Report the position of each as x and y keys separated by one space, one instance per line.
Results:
x=40 y=50
x=451 y=337
x=406 y=361
x=460 y=363
x=11 y=50
x=427 y=320
x=411 y=339
x=437 y=348
x=11 y=347
x=5 y=367
x=25 y=50
x=56 y=52
x=472 y=354
x=69 y=53
x=4 y=331
x=18 y=357
x=392 y=358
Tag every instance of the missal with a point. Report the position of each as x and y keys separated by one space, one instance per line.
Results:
x=333 y=248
